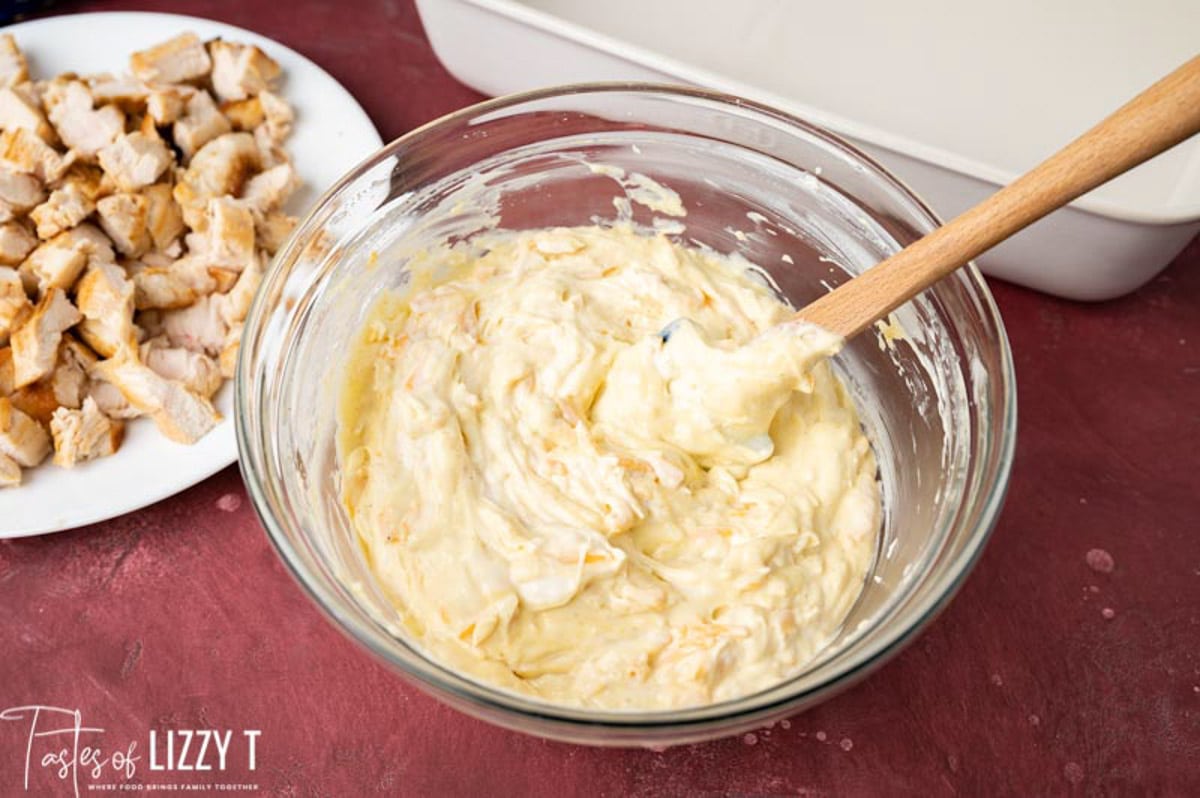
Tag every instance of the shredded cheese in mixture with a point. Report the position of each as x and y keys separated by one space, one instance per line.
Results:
x=566 y=500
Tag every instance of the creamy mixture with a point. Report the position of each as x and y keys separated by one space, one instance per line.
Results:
x=567 y=500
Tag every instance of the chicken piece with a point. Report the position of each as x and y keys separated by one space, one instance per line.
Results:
x=135 y=160
x=272 y=230
x=228 y=357
x=201 y=123
x=82 y=127
x=53 y=266
x=105 y=297
x=65 y=387
x=19 y=192
x=13 y=69
x=124 y=218
x=35 y=343
x=126 y=93
x=196 y=371
x=165 y=104
x=176 y=285
x=15 y=306
x=229 y=239
x=220 y=168
x=270 y=189
x=176 y=60
x=205 y=325
x=10 y=472
x=84 y=434
x=111 y=401
x=66 y=207
x=179 y=414
x=21 y=438
x=240 y=70
x=164 y=220
x=278 y=116
x=16 y=242
x=244 y=114
x=89 y=239
x=23 y=150
x=16 y=110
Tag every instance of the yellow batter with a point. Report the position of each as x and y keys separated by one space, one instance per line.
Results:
x=563 y=504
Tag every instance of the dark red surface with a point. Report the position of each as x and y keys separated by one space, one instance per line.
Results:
x=1069 y=663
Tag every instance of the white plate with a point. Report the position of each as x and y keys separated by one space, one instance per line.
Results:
x=332 y=133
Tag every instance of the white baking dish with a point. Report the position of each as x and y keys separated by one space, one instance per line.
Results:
x=955 y=98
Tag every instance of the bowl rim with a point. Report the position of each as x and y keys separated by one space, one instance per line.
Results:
x=442 y=681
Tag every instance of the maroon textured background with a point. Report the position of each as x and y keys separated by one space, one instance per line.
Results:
x=1051 y=673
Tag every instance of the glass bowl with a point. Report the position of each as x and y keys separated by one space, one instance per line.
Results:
x=934 y=387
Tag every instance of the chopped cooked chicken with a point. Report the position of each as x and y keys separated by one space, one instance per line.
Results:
x=198 y=372
x=66 y=207
x=135 y=160
x=269 y=189
x=111 y=401
x=245 y=114
x=84 y=434
x=18 y=193
x=35 y=343
x=10 y=472
x=205 y=325
x=165 y=105
x=82 y=127
x=220 y=168
x=273 y=230
x=176 y=60
x=54 y=266
x=180 y=414
x=17 y=110
x=124 y=218
x=65 y=387
x=278 y=115
x=21 y=438
x=13 y=69
x=15 y=306
x=240 y=70
x=175 y=285
x=123 y=91
x=105 y=298
x=24 y=151
x=88 y=239
x=164 y=220
x=200 y=123
x=230 y=235
x=16 y=242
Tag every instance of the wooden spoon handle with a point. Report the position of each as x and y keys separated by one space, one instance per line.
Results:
x=1156 y=120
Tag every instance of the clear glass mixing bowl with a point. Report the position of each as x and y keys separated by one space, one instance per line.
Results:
x=938 y=400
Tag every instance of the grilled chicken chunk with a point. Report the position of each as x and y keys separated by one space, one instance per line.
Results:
x=57 y=263
x=176 y=60
x=270 y=189
x=124 y=217
x=35 y=343
x=164 y=219
x=105 y=298
x=220 y=168
x=18 y=110
x=22 y=150
x=13 y=69
x=84 y=434
x=82 y=127
x=15 y=306
x=135 y=160
x=179 y=414
x=21 y=438
x=16 y=242
x=278 y=116
x=66 y=207
x=19 y=192
x=200 y=123
x=196 y=371
x=174 y=285
x=241 y=70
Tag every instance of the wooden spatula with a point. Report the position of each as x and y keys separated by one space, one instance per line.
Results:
x=1156 y=120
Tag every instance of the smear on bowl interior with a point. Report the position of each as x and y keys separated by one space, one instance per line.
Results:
x=566 y=501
